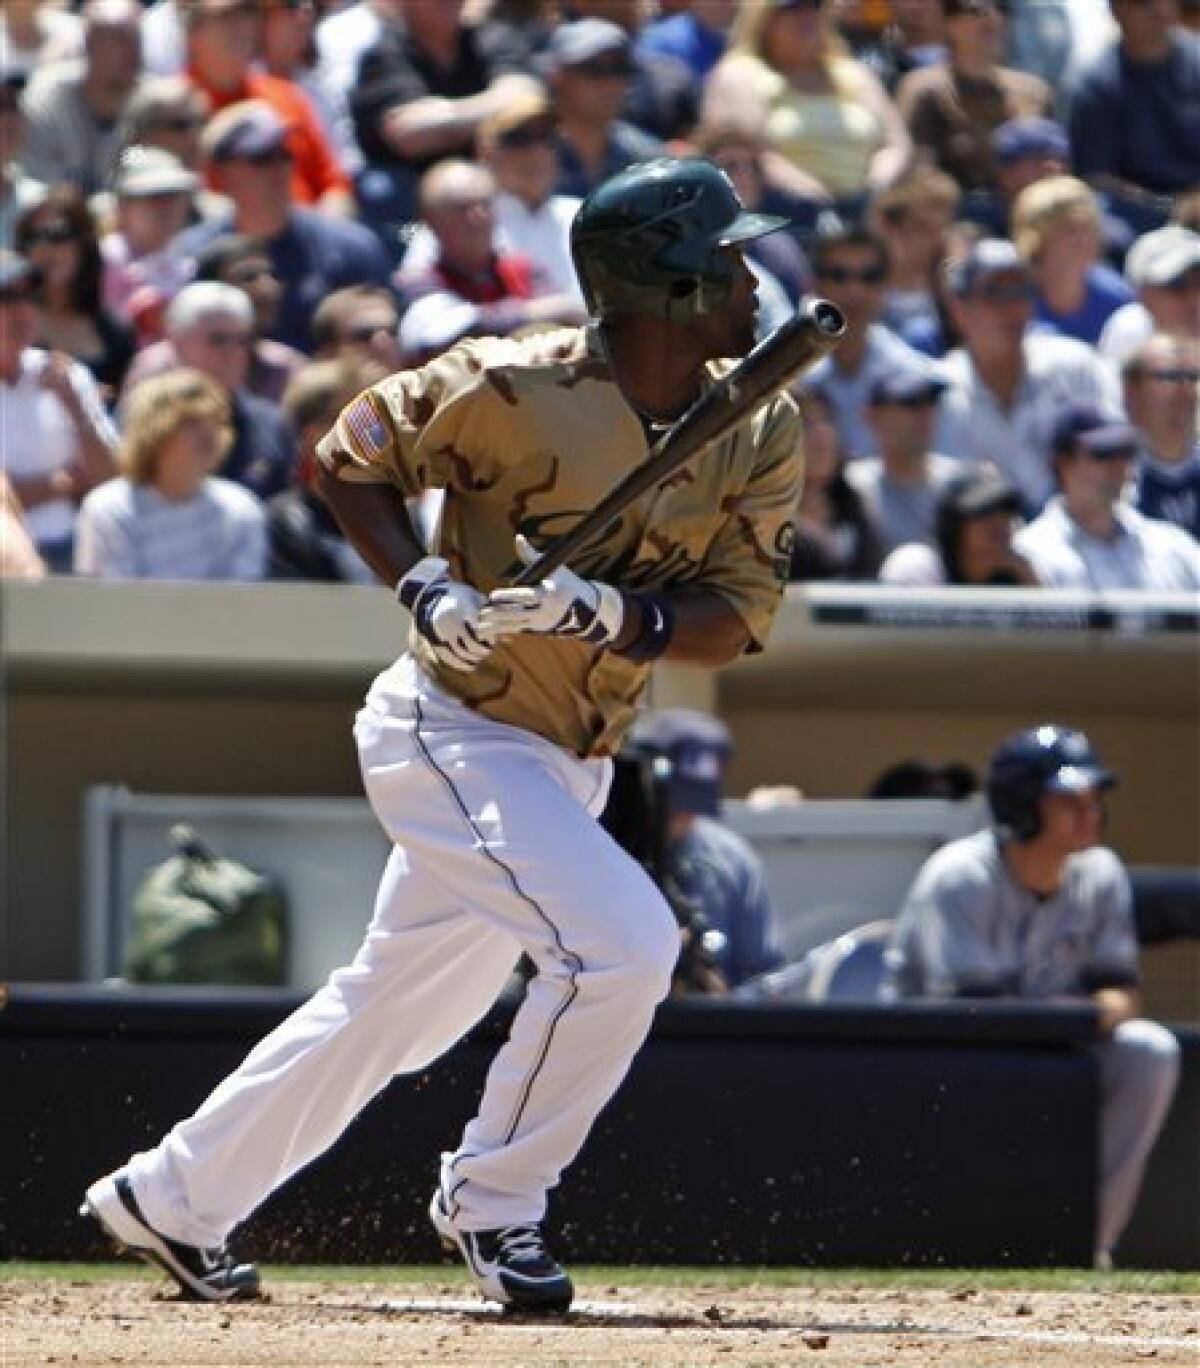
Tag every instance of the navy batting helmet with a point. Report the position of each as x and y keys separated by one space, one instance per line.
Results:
x=1045 y=759
x=651 y=240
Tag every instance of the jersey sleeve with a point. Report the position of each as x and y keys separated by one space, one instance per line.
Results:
x=942 y=945
x=749 y=560
x=1112 y=961
x=441 y=427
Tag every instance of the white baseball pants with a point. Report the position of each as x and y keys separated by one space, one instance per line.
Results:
x=496 y=850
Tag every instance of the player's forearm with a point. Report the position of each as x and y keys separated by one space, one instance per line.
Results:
x=375 y=522
x=706 y=630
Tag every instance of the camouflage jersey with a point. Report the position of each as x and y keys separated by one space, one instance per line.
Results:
x=528 y=436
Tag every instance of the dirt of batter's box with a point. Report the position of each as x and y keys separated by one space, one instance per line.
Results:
x=80 y=1325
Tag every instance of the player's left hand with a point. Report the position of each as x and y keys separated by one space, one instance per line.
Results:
x=563 y=604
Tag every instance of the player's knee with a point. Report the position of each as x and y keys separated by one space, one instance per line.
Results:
x=1151 y=1045
x=639 y=953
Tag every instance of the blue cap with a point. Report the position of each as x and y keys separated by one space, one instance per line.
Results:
x=583 y=40
x=696 y=747
x=1084 y=425
x=987 y=257
x=1030 y=137
x=905 y=385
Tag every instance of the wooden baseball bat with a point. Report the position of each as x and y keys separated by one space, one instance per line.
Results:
x=793 y=347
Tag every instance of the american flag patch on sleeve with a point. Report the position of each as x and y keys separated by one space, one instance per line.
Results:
x=365 y=427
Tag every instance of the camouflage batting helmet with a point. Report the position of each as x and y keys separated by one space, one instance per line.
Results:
x=650 y=240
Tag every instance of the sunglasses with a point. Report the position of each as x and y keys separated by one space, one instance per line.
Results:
x=1184 y=284
x=846 y=275
x=226 y=341
x=247 y=275
x=600 y=70
x=54 y=234
x=926 y=399
x=1177 y=375
x=1103 y=457
x=274 y=156
x=367 y=332
x=179 y=123
x=532 y=135
x=1006 y=294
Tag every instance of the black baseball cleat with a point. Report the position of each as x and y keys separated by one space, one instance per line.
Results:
x=202 y=1274
x=511 y=1266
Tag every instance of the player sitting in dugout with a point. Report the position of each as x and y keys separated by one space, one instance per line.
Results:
x=1036 y=907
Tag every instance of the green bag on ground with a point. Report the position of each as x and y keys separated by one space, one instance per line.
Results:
x=198 y=918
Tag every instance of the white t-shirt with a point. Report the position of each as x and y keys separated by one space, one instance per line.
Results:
x=1059 y=371
x=543 y=235
x=1124 y=333
x=38 y=437
x=1143 y=554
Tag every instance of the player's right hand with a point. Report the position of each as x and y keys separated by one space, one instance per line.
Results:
x=445 y=613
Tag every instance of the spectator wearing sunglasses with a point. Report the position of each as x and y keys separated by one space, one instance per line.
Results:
x=1134 y=113
x=1008 y=383
x=1162 y=399
x=59 y=236
x=952 y=109
x=222 y=38
x=900 y=487
x=360 y=323
x=18 y=190
x=248 y=158
x=832 y=127
x=74 y=109
x=1087 y=537
x=57 y=440
x=850 y=267
x=589 y=67
x=210 y=326
x=1163 y=267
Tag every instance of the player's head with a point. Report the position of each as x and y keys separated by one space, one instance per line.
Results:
x=661 y=238
x=1048 y=779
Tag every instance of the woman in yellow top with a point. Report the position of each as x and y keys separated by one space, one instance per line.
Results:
x=829 y=122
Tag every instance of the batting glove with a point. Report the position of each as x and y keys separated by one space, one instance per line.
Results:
x=563 y=604
x=445 y=613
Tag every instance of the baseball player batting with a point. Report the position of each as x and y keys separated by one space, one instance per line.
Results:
x=484 y=748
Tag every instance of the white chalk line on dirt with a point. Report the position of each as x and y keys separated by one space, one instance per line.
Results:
x=634 y=1310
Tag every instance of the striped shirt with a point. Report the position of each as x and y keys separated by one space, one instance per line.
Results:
x=128 y=531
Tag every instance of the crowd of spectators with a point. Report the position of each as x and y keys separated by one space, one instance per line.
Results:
x=220 y=217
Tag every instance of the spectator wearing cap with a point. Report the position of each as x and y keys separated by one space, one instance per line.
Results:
x=708 y=867
x=359 y=323
x=952 y=110
x=695 y=35
x=420 y=94
x=589 y=65
x=58 y=442
x=1057 y=229
x=661 y=95
x=58 y=235
x=153 y=193
x=74 y=109
x=1087 y=537
x=210 y=326
x=242 y=262
x=312 y=253
x=222 y=38
x=1134 y=113
x=913 y=217
x=1007 y=383
x=974 y=524
x=169 y=515
x=850 y=266
x=305 y=541
x=17 y=189
x=1163 y=266
x=836 y=538
x=519 y=147
x=833 y=129
x=35 y=34
x=900 y=487
x=1162 y=399
x=912 y=38
x=508 y=291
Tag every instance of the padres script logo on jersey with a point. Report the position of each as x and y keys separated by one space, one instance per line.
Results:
x=527 y=436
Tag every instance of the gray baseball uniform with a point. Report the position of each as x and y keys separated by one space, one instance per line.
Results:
x=969 y=929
